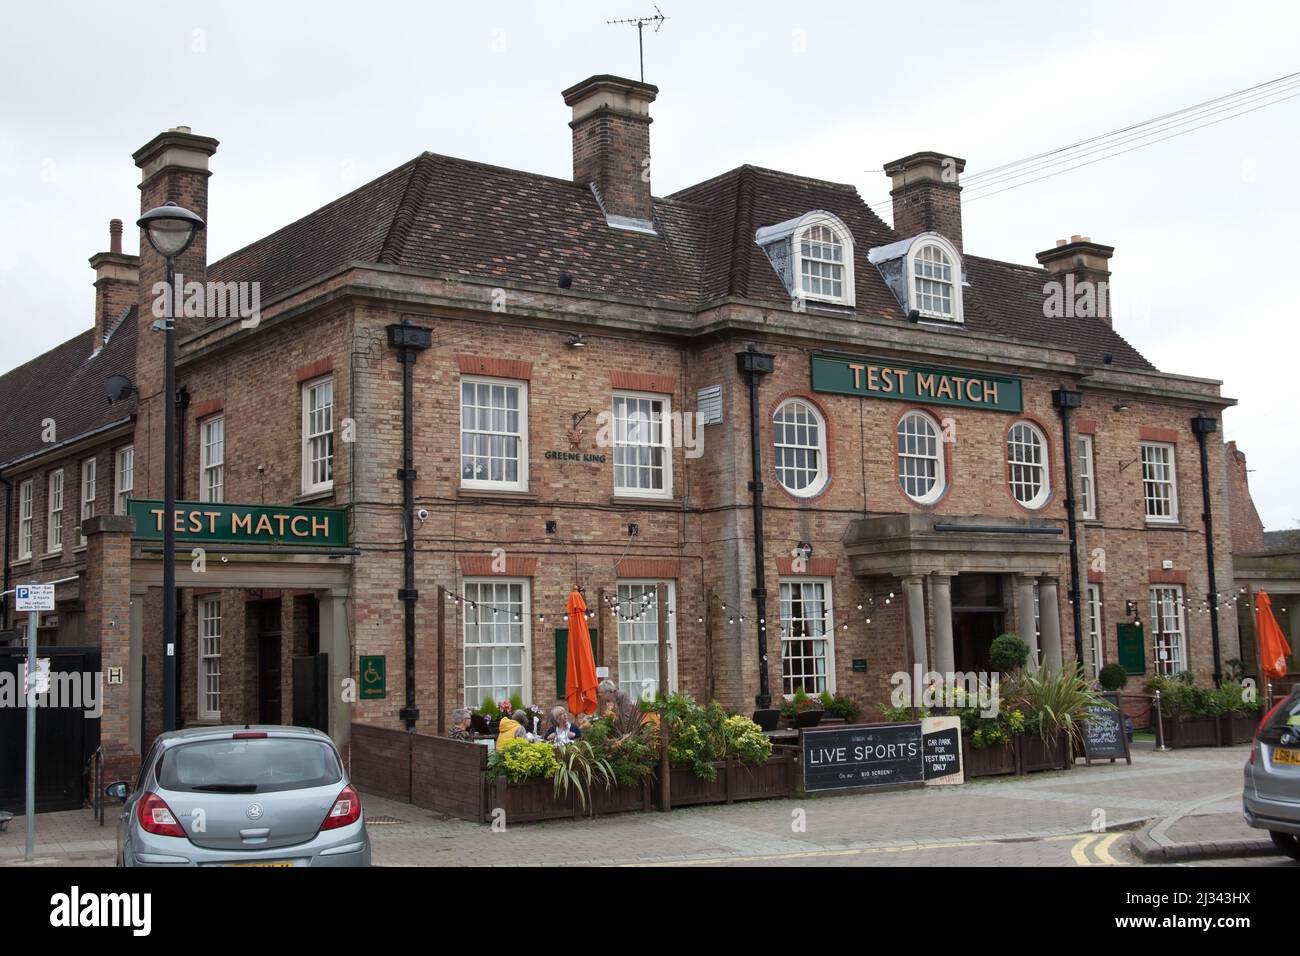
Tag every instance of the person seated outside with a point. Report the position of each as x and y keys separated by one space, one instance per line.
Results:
x=514 y=726
x=562 y=729
x=460 y=723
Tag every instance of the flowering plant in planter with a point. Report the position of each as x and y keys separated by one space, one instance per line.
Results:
x=840 y=706
x=518 y=760
x=800 y=702
x=746 y=741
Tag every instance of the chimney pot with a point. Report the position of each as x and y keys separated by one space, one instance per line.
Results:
x=1087 y=261
x=927 y=194
x=115 y=235
x=1061 y=242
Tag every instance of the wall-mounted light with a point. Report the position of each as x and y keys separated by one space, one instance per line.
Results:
x=1121 y=406
x=576 y=341
x=633 y=530
x=552 y=527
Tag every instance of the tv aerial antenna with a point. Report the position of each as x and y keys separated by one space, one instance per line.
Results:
x=640 y=23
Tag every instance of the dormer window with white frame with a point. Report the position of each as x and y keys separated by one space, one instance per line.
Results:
x=813 y=255
x=925 y=275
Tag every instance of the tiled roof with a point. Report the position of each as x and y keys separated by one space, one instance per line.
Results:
x=65 y=384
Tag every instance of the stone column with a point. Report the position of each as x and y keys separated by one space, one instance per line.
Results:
x=1049 y=613
x=1025 y=614
x=107 y=596
x=336 y=641
x=944 y=655
x=916 y=619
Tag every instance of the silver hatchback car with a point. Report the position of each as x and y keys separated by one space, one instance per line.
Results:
x=1271 y=799
x=241 y=796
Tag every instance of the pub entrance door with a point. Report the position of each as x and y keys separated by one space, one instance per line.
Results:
x=977 y=614
x=269 y=710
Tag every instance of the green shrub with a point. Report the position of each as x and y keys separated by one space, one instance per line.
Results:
x=1008 y=653
x=697 y=735
x=840 y=706
x=1112 y=677
x=900 y=715
x=1056 y=701
x=629 y=747
x=799 y=702
x=577 y=767
x=519 y=760
x=746 y=741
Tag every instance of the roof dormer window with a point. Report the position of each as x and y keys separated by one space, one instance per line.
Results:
x=924 y=273
x=813 y=255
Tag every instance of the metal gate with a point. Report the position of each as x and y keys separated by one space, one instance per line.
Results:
x=66 y=738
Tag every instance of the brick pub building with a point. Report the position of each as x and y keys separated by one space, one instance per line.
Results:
x=587 y=366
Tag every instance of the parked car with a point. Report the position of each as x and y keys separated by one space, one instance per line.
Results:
x=241 y=796
x=1271 y=798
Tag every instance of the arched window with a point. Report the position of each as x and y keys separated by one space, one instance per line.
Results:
x=932 y=282
x=1027 y=464
x=799 y=441
x=821 y=263
x=920 y=458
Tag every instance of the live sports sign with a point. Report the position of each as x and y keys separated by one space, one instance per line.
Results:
x=203 y=522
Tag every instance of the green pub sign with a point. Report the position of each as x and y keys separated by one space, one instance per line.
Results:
x=204 y=522
x=372 y=677
x=887 y=378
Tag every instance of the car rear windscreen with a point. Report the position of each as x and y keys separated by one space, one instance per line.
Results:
x=1286 y=716
x=259 y=765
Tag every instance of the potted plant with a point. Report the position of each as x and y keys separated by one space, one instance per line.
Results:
x=1008 y=654
x=1056 y=704
x=1112 y=677
x=837 y=707
x=1238 y=714
x=802 y=709
x=1189 y=714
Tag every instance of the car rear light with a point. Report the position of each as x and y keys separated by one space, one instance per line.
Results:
x=250 y=735
x=156 y=817
x=1254 y=744
x=346 y=809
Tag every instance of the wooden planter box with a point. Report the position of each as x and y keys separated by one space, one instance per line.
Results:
x=620 y=799
x=1237 y=728
x=987 y=761
x=736 y=781
x=1191 y=732
x=533 y=800
x=1034 y=753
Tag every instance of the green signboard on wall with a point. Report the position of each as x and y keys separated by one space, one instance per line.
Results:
x=1132 y=648
x=372 y=677
x=203 y=522
x=888 y=378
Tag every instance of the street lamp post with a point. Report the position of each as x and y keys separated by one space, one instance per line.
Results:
x=170 y=229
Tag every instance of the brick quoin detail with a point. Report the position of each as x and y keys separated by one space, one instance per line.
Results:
x=496 y=367
x=644 y=382
x=480 y=565
x=315 y=369
x=817 y=567
x=1150 y=433
x=1161 y=576
x=660 y=568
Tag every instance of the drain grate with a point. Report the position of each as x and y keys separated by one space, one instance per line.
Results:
x=382 y=821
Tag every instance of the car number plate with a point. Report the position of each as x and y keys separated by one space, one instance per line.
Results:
x=1281 y=755
x=264 y=863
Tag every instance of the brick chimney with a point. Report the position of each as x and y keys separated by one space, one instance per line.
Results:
x=927 y=195
x=611 y=146
x=117 y=279
x=173 y=168
x=1081 y=260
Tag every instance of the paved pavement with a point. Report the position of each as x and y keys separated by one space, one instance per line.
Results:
x=1041 y=819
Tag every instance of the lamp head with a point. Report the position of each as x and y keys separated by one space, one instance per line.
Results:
x=170 y=228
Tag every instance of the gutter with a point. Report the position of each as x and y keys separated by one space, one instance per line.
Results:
x=8 y=525
x=1203 y=425
x=65 y=444
x=754 y=364
x=1065 y=399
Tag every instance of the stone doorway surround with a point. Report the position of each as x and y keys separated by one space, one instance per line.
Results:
x=919 y=547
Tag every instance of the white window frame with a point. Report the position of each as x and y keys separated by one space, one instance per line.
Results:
x=123 y=477
x=309 y=437
x=26 y=505
x=54 y=493
x=470 y=616
x=820 y=474
x=941 y=476
x=843 y=237
x=914 y=251
x=632 y=607
x=1171 y=482
x=1087 y=478
x=666 y=443
x=1043 y=464
x=89 y=476
x=828 y=635
x=212 y=462
x=209 y=661
x=1096 y=648
x=1168 y=597
x=521 y=470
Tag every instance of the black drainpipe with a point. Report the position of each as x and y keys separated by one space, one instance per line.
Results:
x=9 y=529
x=182 y=406
x=754 y=365
x=1065 y=399
x=1203 y=425
x=410 y=341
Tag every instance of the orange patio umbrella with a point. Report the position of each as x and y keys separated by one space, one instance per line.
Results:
x=1273 y=647
x=580 y=670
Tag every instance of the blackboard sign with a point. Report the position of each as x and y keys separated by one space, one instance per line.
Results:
x=942 y=752
x=1103 y=732
x=870 y=756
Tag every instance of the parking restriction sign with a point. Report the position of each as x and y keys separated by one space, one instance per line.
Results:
x=34 y=597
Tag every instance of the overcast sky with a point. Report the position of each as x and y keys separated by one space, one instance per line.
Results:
x=311 y=100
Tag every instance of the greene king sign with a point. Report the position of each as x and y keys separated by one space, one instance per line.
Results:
x=887 y=378
x=202 y=522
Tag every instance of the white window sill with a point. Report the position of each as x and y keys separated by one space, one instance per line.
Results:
x=314 y=494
